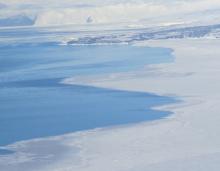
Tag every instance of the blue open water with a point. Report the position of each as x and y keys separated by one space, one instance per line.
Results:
x=33 y=102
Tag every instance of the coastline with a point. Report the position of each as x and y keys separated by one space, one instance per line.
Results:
x=187 y=140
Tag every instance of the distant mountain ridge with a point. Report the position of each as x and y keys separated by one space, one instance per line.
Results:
x=209 y=31
x=18 y=20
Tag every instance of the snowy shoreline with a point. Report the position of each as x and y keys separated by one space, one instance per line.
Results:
x=187 y=140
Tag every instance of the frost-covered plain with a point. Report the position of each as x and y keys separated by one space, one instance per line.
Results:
x=188 y=140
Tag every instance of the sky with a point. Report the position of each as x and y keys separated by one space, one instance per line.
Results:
x=56 y=12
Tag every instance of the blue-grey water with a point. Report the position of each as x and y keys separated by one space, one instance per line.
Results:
x=5 y=152
x=33 y=102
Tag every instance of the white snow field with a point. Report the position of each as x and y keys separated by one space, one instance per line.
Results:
x=187 y=140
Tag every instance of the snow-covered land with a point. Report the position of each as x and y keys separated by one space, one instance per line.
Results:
x=133 y=12
x=186 y=141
